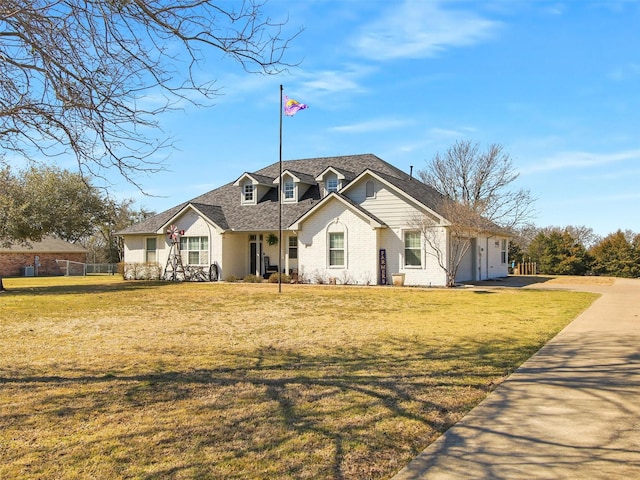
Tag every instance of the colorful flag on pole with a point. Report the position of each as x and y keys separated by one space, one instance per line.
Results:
x=291 y=106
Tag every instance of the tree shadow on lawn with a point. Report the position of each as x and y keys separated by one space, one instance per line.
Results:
x=512 y=281
x=272 y=412
x=88 y=289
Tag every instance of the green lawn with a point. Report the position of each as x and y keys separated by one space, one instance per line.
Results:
x=106 y=379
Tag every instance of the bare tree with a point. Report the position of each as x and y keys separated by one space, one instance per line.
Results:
x=476 y=200
x=449 y=242
x=482 y=182
x=91 y=76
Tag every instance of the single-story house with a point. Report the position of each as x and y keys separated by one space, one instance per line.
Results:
x=40 y=258
x=348 y=219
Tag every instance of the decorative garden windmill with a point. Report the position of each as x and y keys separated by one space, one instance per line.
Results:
x=174 y=270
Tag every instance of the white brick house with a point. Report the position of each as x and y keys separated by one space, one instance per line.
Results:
x=348 y=218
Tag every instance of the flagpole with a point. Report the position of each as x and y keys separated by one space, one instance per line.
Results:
x=280 y=203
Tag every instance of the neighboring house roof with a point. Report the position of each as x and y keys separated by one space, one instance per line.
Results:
x=223 y=205
x=46 y=245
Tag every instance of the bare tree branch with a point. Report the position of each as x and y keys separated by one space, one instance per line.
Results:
x=481 y=181
x=449 y=243
x=92 y=76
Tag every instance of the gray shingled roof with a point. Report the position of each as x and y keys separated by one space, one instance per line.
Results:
x=223 y=205
x=262 y=179
x=46 y=245
x=213 y=213
x=304 y=177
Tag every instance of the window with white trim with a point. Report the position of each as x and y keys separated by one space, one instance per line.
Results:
x=293 y=247
x=247 y=193
x=412 y=249
x=195 y=250
x=150 y=250
x=332 y=184
x=289 y=190
x=336 y=249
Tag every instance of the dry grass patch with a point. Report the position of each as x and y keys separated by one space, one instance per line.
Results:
x=583 y=280
x=105 y=379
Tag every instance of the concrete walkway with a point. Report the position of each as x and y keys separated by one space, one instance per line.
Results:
x=572 y=411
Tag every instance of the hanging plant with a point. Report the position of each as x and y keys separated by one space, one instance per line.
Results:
x=272 y=239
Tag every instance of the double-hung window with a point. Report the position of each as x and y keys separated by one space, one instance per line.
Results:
x=150 y=254
x=332 y=185
x=195 y=250
x=293 y=247
x=336 y=249
x=289 y=190
x=412 y=249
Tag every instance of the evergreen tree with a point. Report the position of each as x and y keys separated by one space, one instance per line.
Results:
x=617 y=255
x=557 y=252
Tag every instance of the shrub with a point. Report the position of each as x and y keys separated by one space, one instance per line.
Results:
x=318 y=277
x=251 y=278
x=141 y=271
x=274 y=278
x=301 y=278
x=231 y=279
x=347 y=279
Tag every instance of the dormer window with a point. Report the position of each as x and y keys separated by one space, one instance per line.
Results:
x=248 y=193
x=289 y=190
x=332 y=184
x=253 y=187
x=332 y=180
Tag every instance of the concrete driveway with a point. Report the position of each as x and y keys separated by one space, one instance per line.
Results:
x=572 y=411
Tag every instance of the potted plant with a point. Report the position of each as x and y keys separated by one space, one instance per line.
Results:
x=398 y=279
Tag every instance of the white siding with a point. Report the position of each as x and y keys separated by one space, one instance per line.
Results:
x=428 y=274
x=230 y=251
x=360 y=246
x=193 y=226
x=492 y=266
x=396 y=213
x=388 y=206
x=134 y=248
x=235 y=257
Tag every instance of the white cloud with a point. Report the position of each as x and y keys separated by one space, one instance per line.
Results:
x=347 y=79
x=333 y=81
x=419 y=29
x=567 y=160
x=447 y=133
x=374 y=125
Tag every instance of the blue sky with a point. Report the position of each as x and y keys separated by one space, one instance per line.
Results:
x=556 y=83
